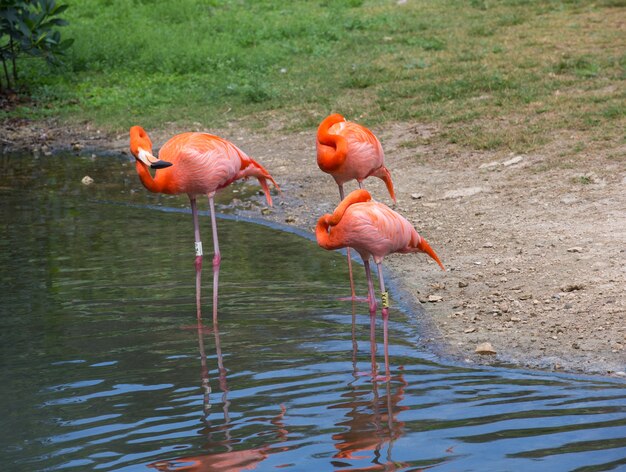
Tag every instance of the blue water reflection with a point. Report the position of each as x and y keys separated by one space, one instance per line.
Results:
x=104 y=366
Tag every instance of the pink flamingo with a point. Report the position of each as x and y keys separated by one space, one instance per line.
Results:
x=373 y=230
x=349 y=151
x=196 y=164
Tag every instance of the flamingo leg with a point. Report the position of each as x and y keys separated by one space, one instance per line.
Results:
x=385 y=312
x=372 y=303
x=206 y=385
x=352 y=291
x=217 y=257
x=222 y=376
x=198 y=262
x=355 y=345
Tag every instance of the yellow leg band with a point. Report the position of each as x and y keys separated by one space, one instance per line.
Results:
x=385 y=299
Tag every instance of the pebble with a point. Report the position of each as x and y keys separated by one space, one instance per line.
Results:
x=513 y=161
x=290 y=219
x=464 y=192
x=489 y=165
x=572 y=287
x=485 y=348
x=575 y=249
x=266 y=211
x=416 y=196
x=86 y=180
x=469 y=330
x=463 y=284
x=435 y=298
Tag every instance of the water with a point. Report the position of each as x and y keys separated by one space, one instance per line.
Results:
x=103 y=365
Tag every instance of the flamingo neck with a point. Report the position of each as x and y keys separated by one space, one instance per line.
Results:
x=322 y=233
x=326 y=222
x=151 y=183
x=332 y=148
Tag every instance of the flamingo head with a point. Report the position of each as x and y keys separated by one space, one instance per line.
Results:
x=141 y=147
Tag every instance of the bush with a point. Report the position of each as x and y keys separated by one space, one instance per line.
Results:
x=28 y=28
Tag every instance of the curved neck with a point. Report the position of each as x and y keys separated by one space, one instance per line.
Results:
x=322 y=234
x=146 y=178
x=332 y=148
x=324 y=224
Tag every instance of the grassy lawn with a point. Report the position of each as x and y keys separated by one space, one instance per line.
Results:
x=493 y=74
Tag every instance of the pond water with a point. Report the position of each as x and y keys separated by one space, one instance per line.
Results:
x=105 y=368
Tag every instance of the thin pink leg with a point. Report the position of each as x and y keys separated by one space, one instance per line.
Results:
x=385 y=311
x=372 y=303
x=355 y=345
x=217 y=257
x=352 y=291
x=371 y=296
x=206 y=384
x=198 y=263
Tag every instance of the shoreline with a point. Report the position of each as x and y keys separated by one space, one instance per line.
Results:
x=535 y=250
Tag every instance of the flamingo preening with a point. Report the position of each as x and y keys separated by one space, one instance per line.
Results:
x=349 y=151
x=196 y=164
x=373 y=230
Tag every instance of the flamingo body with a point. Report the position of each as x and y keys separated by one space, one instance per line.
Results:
x=201 y=164
x=349 y=151
x=373 y=230
x=196 y=164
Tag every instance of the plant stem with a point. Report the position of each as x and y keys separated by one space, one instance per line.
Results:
x=6 y=72
x=13 y=61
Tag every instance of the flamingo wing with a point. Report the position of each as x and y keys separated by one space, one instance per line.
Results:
x=202 y=163
x=365 y=153
x=377 y=230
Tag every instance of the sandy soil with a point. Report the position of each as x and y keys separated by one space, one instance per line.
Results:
x=534 y=244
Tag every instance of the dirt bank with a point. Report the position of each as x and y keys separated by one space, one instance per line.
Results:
x=534 y=244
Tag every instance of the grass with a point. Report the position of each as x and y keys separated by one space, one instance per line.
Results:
x=506 y=74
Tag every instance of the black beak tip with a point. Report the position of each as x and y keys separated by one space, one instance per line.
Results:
x=160 y=164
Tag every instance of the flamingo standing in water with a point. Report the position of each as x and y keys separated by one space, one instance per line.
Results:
x=349 y=151
x=373 y=230
x=196 y=164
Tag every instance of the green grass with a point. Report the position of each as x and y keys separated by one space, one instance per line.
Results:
x=506 y=74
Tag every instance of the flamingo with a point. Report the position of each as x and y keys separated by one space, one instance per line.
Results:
x=349 y=151
x=373 y=230
x=196 y=164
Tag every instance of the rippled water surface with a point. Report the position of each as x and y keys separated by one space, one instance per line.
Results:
x=105 y=368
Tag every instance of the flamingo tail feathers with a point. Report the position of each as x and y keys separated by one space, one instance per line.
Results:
x=423 y=246
x=383 y=174
x=254 y=169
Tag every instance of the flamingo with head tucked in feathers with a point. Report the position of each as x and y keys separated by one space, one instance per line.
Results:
x=196 y=164
x=373 y=230
x=349 y=151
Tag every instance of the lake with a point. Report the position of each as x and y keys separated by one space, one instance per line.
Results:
x=104 y=366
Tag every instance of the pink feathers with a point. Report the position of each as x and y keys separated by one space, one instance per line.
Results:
x=371 y=228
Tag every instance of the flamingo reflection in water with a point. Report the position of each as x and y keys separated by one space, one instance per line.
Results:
x=230 y=460
x=371 y=423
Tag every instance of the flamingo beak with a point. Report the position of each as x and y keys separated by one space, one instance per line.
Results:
x=148 y=159
x=159 y=164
